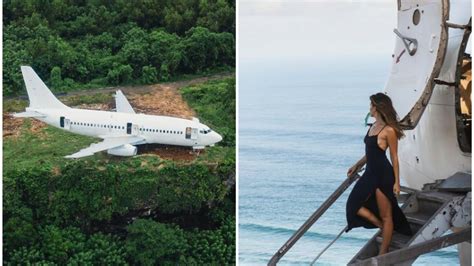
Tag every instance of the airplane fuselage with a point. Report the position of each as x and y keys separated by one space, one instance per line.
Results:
x=154 y=129
x=120 y=130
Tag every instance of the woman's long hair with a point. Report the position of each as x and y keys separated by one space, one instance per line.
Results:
x=383 y=105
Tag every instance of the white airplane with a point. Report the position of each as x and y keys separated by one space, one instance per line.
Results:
x=120 y=130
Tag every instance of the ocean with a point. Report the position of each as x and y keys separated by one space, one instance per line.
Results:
x=301 y=126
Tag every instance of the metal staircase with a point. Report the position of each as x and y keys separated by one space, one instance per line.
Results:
x=431 y=212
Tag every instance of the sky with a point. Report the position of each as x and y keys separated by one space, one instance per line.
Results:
x=315 y=30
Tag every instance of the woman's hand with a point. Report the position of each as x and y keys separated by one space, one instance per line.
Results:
x=396 y=189
x=352 y=170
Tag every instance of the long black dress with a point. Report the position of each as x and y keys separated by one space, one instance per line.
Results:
x=378 y=174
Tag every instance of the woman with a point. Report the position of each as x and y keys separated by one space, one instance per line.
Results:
x=372 y=202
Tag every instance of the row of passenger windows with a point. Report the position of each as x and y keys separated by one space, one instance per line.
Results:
x=161 y=131
x=97 y=125
x=122 y=127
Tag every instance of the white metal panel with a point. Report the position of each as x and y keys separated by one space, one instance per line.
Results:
x=194 y=133
x=434 y=143
x=67 y=123
x=410 y=74
x=135 y=129
x=106 y=144
x=430 y=151
x=121 y=103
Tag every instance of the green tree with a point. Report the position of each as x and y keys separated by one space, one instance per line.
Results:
x=166 y=52
x=59 y=245
x=179 y=15
x=107 y=249
x=119 y=74
x=136 y=50
x=14 y=56
x=197 y=186
x=56 y=80
x=215 y=247
x=215 y=104
x=149 y=74
x=149 y=242
x=27 y=256
x=198 y=47
x=216 y=15
x=165 y=72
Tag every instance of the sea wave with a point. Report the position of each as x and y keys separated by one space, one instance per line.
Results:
x=289 y=232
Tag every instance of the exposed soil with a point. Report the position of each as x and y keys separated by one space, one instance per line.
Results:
x=169 y=152
x=12 y=125
x=161 y=100
x=96 y=106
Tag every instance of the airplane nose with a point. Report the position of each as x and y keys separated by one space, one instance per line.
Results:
x=218 y=137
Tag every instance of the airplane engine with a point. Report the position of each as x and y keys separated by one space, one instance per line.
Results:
x=124 y=150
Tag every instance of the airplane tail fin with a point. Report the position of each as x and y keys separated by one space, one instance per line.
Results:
x=38 y=93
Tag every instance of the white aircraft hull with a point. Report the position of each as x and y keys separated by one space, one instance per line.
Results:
x=119 y=130
x=433 y=149
x=430 y=151
x=105 y=123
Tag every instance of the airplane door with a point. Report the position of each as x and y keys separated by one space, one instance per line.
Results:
x=194 y=133
x=420 y=49
x=61 y=121
x=135 y=129
x=129 y=128
x=67 y=124
x=64 y=123
x=191 y=133
x=188 y=133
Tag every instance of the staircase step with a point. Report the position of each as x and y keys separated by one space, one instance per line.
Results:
x=415 y=227
x=418 y=211
x=429 y=205
x=403 y=197
x=436 y=196
x=417 y=217
x=391 y=248
x=398 y=240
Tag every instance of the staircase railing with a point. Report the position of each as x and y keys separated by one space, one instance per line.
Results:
x=313 y=218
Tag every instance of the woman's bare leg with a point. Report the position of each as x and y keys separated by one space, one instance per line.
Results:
x=368 y=215
x=385 y=209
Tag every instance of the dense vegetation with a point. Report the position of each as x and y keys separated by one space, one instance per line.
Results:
x=119 y=211
x=80 y=44
x=215 y=103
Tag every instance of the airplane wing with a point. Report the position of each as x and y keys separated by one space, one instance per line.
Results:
x=107 y=143
x=121 y=103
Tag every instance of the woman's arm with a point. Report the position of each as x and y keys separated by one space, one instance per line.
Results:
x=393 y=145
x=361 y=162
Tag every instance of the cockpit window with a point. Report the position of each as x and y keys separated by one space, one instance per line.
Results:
x=204 y=131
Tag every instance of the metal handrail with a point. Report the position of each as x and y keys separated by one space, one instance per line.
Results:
x=313 y=218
